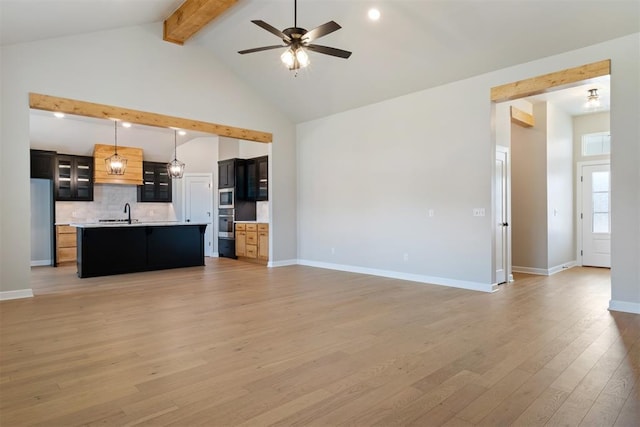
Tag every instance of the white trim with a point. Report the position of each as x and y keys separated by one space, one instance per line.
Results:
x=20 y=293
x=579 y=166
x=543 y=271
x=283 y=263
x=41 y=263
x=441 y=281
x=624 y=306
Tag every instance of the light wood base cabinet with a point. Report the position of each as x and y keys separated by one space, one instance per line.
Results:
x=66 y=244
x=252 y=241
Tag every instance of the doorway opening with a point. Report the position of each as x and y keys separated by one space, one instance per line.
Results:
x=537 y=231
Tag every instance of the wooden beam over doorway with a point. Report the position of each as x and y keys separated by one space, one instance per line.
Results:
x=559 y=79
x=191 y=17
x=522 y=118
x=101 y=111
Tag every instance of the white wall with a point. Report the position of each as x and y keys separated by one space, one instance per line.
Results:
x=529 y=226
x=560 y=182
x=41 y=196
x=366 y=177
x=133 y=68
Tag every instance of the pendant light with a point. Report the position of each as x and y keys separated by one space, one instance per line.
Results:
x=175 y=168
x=116 y=164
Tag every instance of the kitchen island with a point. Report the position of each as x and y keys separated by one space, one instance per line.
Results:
x=107 y=249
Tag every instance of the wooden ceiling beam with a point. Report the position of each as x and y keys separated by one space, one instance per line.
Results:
x=101 y=111
x=522 y=118
x=191 y=17
x=560 y=79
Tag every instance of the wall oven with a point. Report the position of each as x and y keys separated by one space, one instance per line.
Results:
x=225 y=198
x=225 y=223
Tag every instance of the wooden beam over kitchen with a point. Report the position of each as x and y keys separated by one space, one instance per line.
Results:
x=521 y=118
x=101 y=111
x=191 y=17
x=560 y=79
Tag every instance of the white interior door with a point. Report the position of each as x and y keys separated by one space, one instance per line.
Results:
x=198 y=200
x=596 y=215
x=501 y=216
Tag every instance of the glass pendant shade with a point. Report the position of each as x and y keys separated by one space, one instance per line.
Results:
x=116 y=164
x=175 y=168
x=593 y=100
x=295 y=58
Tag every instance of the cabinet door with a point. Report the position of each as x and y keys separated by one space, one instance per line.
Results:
x=252 y=181
x=262 y=172
x=63 y=178
x=241 y=243
x=147 y=191
x=163 y=181
x=83 y=178
x=42 y=164
x=226 y=174
x=263 y=245
x=241 y=179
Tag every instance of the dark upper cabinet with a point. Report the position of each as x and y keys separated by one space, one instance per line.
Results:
x=249 y=177
x=73 y=177
x=227 y=173
x=43 y=164
x=258 y=178
x=262 y=178
x=156 y=185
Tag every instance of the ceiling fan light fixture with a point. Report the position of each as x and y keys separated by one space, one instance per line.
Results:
x=295 y=58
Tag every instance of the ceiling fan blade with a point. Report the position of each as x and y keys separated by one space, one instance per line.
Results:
x=320 y=31
x=259 y=49
x=329 y=50
x=272 y=30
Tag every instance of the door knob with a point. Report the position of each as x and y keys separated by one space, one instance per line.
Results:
x=505 y=224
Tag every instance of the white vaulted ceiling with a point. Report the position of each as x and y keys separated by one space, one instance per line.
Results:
x=415 y=45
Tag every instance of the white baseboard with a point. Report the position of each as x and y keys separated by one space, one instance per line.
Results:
x=215 y=255
x=625 y=306
x=20 y=293
x=454 y=283
x=284 y=263
x=544 y=271
x=41 y=263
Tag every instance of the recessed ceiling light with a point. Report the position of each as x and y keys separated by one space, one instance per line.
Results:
x=182 y=133
x=374 y=14
x=58 y=114
x=126 y=124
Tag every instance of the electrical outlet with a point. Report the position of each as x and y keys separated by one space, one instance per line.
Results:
x=478 y=211
x=431 y=212
x=406 y=257
x=333 y=251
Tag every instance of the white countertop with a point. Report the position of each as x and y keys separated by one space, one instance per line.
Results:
x=133 y=224
x=250 y=222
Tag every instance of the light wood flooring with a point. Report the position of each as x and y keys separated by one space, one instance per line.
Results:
x=235 y=344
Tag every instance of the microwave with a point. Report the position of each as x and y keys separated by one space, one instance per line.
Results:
x=225 y=198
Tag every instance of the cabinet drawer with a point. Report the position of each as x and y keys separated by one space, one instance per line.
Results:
x=241 y=227
x=67 y=240
x=66 y=254
x=66 y=229
x=252 y=238
x=252 y=251
x=263 y=227
x=252 y=227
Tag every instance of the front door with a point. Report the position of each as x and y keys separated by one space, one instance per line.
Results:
x=199 y=205
x=596 y=215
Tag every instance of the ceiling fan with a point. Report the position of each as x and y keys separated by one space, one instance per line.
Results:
x=297 y=40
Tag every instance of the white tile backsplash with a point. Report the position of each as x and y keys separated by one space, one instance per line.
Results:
x=262 y=211
x=108 y=203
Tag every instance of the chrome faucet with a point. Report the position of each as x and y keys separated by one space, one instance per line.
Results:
x=127 y=209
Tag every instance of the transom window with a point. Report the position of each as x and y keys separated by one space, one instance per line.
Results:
x=596 y=144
